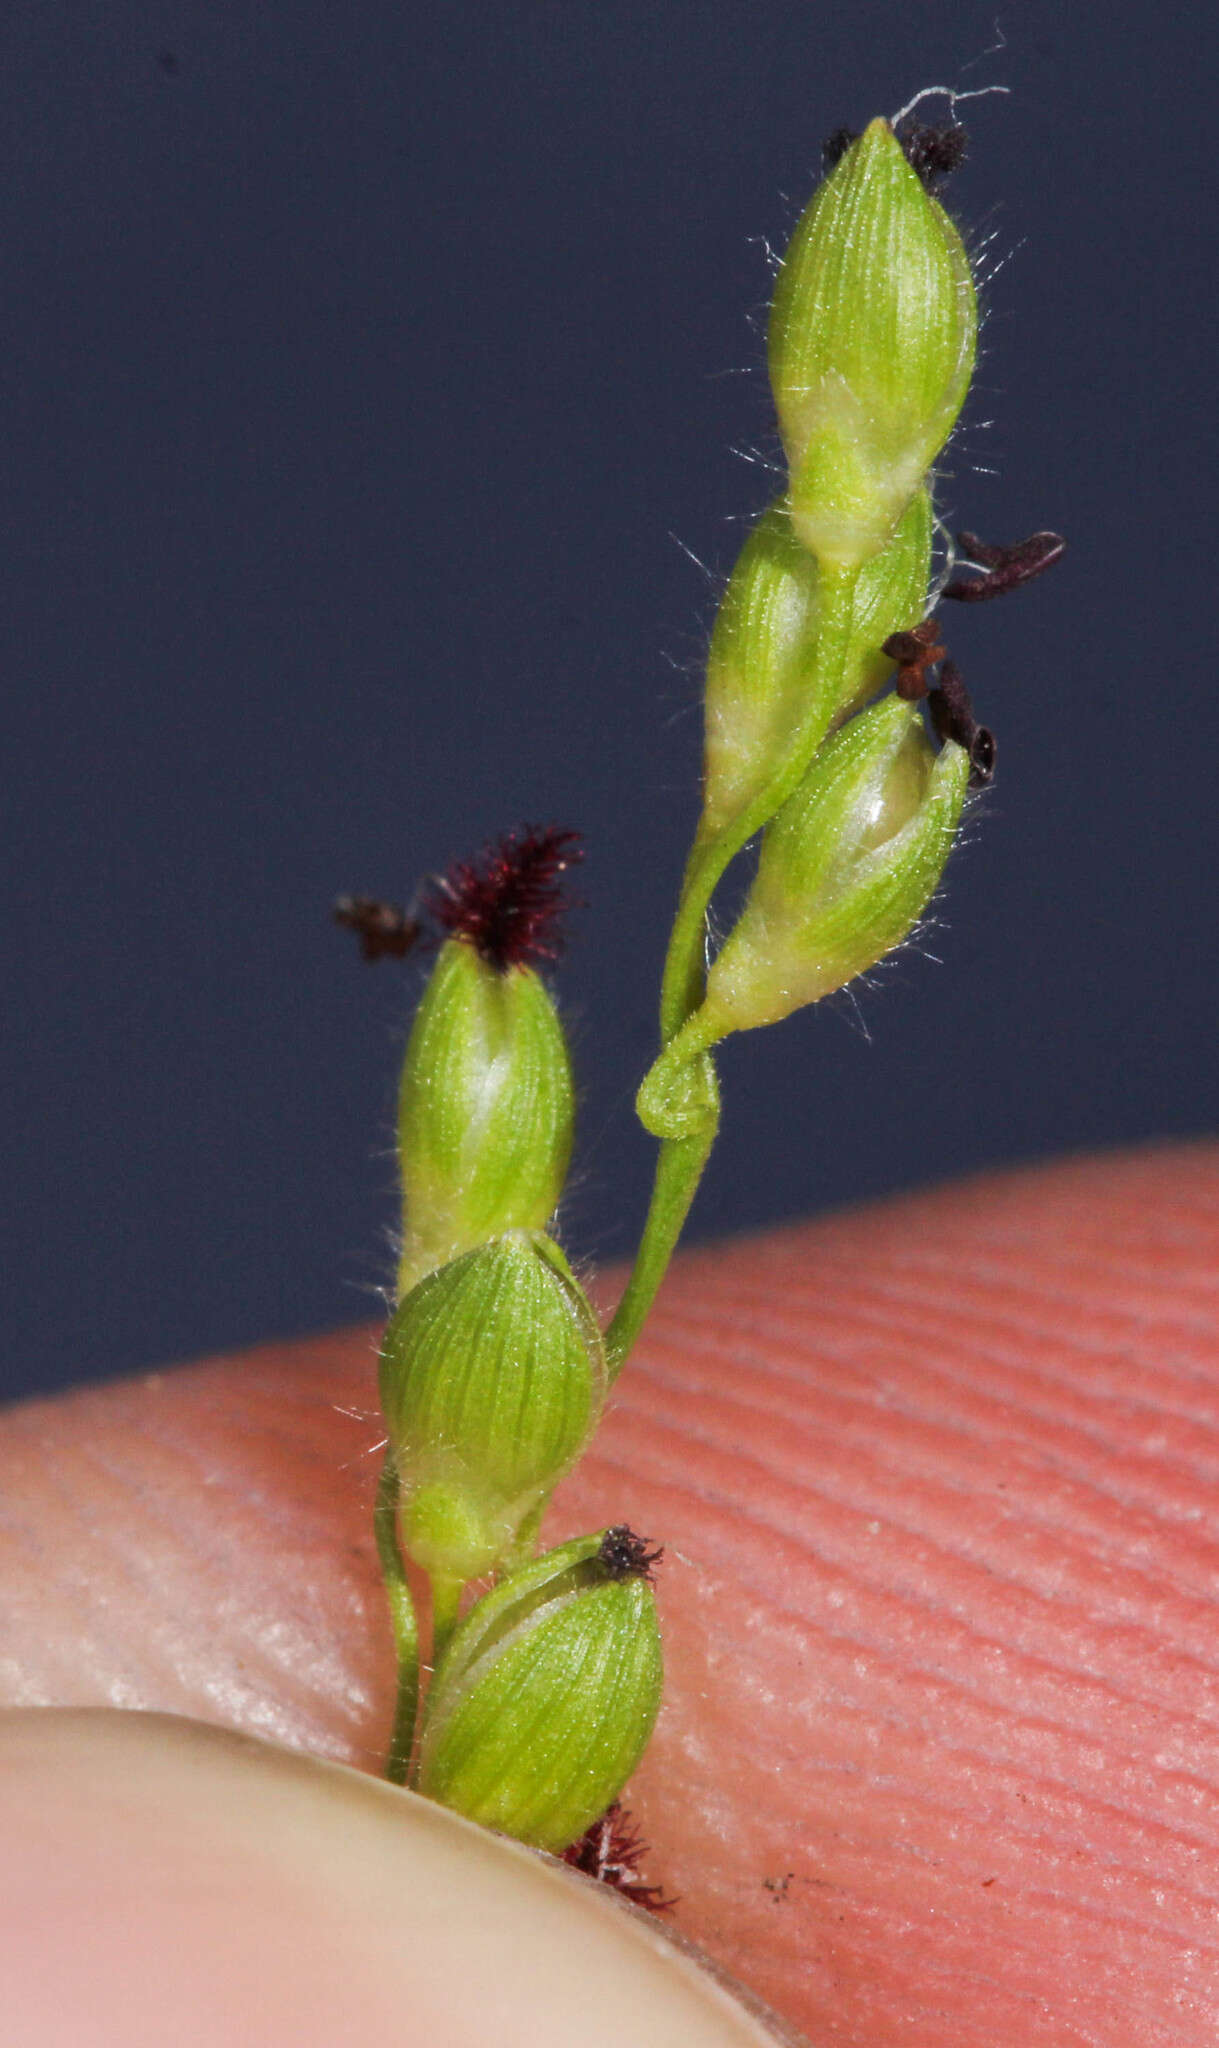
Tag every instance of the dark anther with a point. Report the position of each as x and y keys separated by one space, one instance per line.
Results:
x=508 y=902
x=952 y=717
x=1004 y=568
x=625 y=1555
x=611 y=1850
x=383 y=928
x=934 y=153
x=915 y=653
x=835 y=146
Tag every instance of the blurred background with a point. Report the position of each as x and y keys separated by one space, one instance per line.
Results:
x=382 y=406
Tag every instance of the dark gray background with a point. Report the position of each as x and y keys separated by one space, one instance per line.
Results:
x=365 y=376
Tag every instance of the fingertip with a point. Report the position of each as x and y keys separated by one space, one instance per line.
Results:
x=935 y=1480
x=163 y=1880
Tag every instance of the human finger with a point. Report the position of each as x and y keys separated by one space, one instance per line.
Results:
x=163 y=1880
x=936 y=1479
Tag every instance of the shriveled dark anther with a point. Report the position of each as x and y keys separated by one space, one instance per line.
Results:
x=626 y=1556
x=934 y=153
x=508 y=901
x=916 y=653
x=952 y=718
x=835 y=146
x=1004 y=568
x=611 y=1851
x=384 y=929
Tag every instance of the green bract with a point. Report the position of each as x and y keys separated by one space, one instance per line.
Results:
x=762 y=662
x=492 y=1380
x=485 y=1110
x=545 y=1699
x=872 y=339
x=845 y=870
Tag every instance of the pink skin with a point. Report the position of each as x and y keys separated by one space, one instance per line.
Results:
x=939 y=1760
x=166 y=1881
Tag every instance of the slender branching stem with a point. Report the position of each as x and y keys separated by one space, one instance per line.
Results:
x=405 y=1623
x=680 y=1164
x=679 y=1169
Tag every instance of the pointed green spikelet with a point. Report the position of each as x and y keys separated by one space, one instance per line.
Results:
x=545 y=1699
x=846 y=869
x=762 y=661
x=872 y=340
x=485 y=1110
x=492 y=1381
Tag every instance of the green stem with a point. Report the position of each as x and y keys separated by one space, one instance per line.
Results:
x=525 y=1542
x=679 y=1167
x=405 y=1623
x=446 y=1603
x=684 y=976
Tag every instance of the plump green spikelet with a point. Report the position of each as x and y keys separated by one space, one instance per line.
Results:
x=761 y=663
x=846 y=868
x=485 y=1110
x=492 y=1381
x=546 y=1697
x=872 y=340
